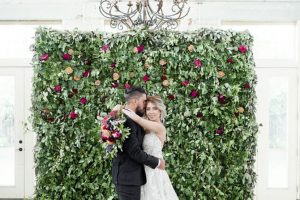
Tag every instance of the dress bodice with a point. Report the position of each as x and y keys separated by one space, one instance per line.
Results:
x=152 y=145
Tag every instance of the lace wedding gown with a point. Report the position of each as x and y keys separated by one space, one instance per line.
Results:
x=158 y=186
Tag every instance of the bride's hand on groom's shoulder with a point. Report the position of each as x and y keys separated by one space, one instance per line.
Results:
x=129 y=113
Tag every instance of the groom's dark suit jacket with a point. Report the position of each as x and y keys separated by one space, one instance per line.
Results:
x=128 y=165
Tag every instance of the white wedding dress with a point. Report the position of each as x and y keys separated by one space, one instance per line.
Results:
x=158 y=186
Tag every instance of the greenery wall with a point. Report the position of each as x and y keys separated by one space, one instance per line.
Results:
x=206 y=79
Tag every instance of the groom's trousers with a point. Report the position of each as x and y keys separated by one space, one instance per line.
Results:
x=128 y=192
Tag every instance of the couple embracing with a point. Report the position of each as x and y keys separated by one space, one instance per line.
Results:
x=138 y=171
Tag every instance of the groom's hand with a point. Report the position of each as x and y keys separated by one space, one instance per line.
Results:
x=162 y=164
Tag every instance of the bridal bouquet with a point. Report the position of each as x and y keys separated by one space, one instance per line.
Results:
x=113 y=132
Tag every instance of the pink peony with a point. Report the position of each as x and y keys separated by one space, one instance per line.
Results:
x=44 y=57
x=83 y=100
x=243 y=48
x=73 y=115
x=197 y=63
x=67 y=56
x=57 y=88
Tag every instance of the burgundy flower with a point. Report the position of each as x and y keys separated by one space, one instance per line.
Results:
x=73 y=115
x=230 y=60
x=146 y=78
x=171 y=97
x=127 y=85
x=220 y=131
x=67 y=56
x=236 y=114
x=163 y=77
x=75 y=91
x=57 y=88
x=105 y=47
x=247 y=86
x=116 y=135
x=199 y=115
x=113 y=65
x=140 y=48
x=185 y=83
x=115 y=85
x=221 y=98
x=197 y=63
x=83 y=100
x=243 y=48
x=86 y=73
x=44 y=57
x=111 y=139
x=194 y=93
x=104 y=137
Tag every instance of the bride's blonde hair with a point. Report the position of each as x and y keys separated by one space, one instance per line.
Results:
x=157 y=101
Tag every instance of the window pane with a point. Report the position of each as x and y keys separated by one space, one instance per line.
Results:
x=7 y=130
x=15 y=40
x=271 y=41
x=278 y=133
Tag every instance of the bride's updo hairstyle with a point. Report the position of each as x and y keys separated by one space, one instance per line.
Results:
x=158 y=102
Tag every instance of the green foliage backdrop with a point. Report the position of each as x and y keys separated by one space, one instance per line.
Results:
x=206 y=79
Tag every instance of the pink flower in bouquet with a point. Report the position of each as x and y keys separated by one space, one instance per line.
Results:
x=146 y=78
x=197 y=63
x=105 y=48
x=67 y=56
x=83 y=100
x=73 y=115
x=44 y=57
x=185 y=83
x=243 y=48
x=194 y=93
x=116 y=135
x=57 y=88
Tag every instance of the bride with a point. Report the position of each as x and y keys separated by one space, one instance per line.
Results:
x=158 y=186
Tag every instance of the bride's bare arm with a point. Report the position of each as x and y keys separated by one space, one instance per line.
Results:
x=146 y=124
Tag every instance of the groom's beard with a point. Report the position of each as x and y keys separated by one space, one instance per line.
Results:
x=139 y=111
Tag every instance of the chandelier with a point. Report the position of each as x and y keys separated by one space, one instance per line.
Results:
x=140 y=13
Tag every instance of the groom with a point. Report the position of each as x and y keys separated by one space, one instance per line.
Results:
x=128 y=171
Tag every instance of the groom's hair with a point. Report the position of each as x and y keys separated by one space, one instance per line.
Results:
x=133 y=93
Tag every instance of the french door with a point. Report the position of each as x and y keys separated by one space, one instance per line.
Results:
x=11 y=132
x=277 y=139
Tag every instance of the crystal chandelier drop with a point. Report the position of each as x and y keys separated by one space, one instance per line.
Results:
x=140 y=13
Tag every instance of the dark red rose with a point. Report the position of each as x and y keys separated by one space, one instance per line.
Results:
x=243 y=48
x=67 y=56
x=164 y=78
x=146 y=78
x=221 y=99
x=75 y=91
x=171 y=97
x=86 y=73
x=230 y=60
x=113 y=65
x=73 y=115
x=194 y=93
x=83 y=100
x=220 y=131
x=57 y=88
x=197 y=63
x=115 y=85
x=44 y=57
x=185 y=83
x=199 y=115
x=247 y=86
